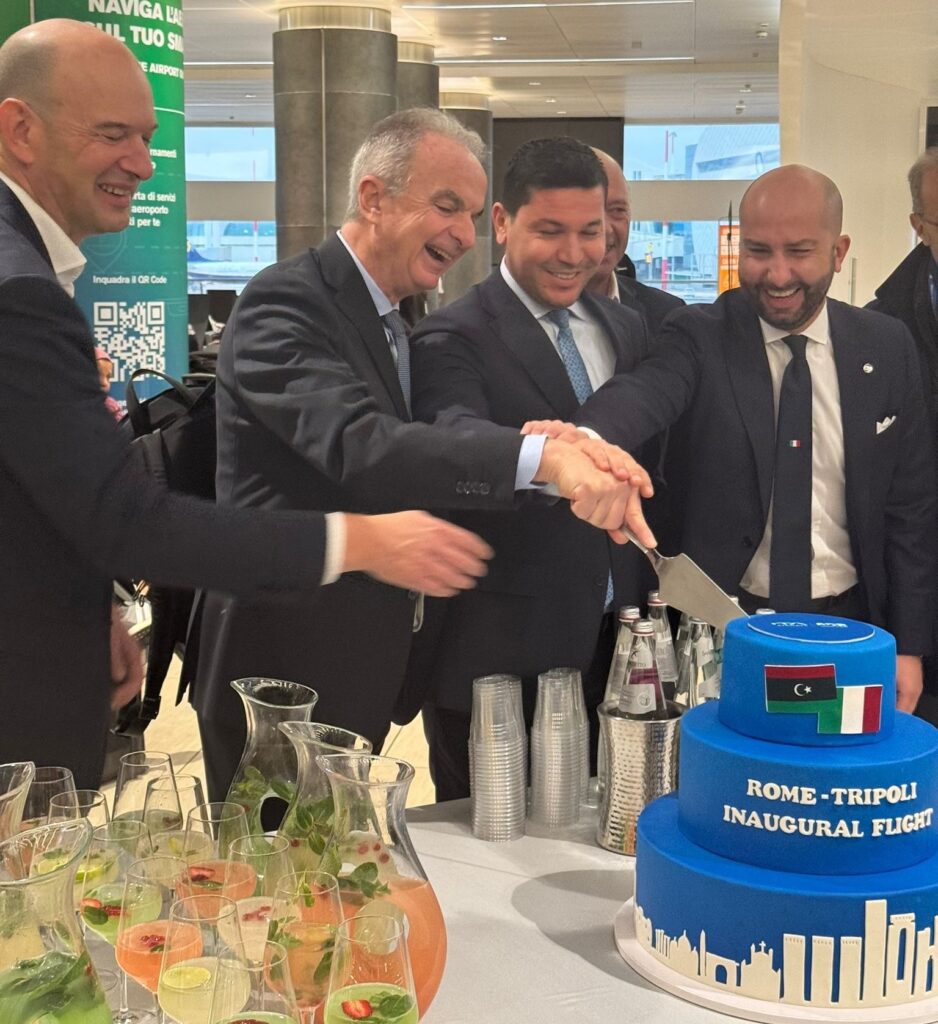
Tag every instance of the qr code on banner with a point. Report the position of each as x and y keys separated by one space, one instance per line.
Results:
x=133 y=334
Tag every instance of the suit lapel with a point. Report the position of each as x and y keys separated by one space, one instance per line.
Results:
x=858 y=408
x=617 y=337
x=524 y=337
x=354 y=301
x=14 y=213
x=751 y=383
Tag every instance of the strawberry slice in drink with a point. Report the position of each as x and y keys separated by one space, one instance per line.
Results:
x=140 y=949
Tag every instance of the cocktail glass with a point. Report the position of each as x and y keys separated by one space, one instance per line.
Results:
x=47 y=781
x=79 y=803
x=371 y=977
x=166 y=807
x=271 y=999
x=267 y=855
x=137 y=770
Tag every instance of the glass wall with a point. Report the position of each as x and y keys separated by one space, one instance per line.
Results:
x=228 y=253
x=235 y=153
x=676 y=256
x=700 y=152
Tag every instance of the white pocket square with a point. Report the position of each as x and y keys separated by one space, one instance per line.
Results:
x=885 y=424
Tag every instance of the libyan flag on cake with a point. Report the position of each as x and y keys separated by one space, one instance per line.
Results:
x=813 y=690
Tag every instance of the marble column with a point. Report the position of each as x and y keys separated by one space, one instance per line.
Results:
x=418 y=78
x=335 y=76
x=472 y=110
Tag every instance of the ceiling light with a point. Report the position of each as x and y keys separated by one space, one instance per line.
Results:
x=499 y=39
x=561 y=111
x=550 y=99
x=250 y=95
x=559 y=60
x=534 y=83
x=746 y=88
x=740 y=107
x=762 y=32
x=562 y=3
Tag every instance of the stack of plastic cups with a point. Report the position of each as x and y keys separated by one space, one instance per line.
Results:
x=558 y=740
x=497 y=758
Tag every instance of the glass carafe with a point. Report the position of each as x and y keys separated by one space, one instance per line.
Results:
x=308 y=821
x=267 y=771
x=45 y=972
x=371 y=854
x=15 y=780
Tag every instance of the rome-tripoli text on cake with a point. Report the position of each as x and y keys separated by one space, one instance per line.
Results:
x=798 y=861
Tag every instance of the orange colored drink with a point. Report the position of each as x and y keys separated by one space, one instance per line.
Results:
x=230 y=878
x=306 y=943
x=139 y=949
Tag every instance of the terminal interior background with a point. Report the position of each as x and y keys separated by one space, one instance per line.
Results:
x=698 y=97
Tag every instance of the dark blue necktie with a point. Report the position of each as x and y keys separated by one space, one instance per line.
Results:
x=401 y=351
x=790 y=556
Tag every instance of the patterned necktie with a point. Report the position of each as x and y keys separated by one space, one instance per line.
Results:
x=400 y=349
x=570 y=354
x=579 y=379
x=790 y=556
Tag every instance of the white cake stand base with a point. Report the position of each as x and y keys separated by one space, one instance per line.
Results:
x=924 y=1011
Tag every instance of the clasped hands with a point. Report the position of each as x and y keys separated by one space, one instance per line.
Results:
x=604 y=484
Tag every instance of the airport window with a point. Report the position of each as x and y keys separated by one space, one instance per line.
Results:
x=228 y=253
x=679 y=257
x=699 y=152
x=235 y=153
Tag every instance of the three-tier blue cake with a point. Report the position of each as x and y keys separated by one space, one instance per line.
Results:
x=798 y=862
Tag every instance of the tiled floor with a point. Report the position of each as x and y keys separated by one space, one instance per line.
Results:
x=175 y=731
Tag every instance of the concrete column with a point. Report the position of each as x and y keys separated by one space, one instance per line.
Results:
x=418 y=78
x=472 y=110
x=335 y=75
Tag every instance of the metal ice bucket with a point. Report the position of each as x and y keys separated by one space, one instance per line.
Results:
x=641 y=765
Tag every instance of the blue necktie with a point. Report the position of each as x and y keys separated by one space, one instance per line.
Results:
x=570 y=354
x=400 y=349
x=790 y=554
x=579 y=378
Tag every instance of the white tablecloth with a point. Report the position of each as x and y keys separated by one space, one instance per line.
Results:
x=529 y=925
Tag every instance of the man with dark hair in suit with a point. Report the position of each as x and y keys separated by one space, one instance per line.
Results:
x=79 y=509
x=314 y=412
x=652 y=303
x=808 y=477
x=527 y=343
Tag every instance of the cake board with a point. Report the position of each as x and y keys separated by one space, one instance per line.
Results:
x=923 y=1011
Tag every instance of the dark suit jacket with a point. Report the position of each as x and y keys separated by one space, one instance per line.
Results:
x=485 y=357
x=311 y=415
x=652 y=303
x=77 y=509
x=710 y=372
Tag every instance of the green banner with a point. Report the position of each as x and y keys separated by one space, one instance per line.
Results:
x=134 y=289
x=14 y=14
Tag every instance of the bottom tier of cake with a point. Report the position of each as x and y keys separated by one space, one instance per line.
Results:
x=782 y=936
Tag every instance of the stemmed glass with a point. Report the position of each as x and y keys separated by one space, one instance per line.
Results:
x=210 y=830
x=79 y=803
x=271 y=999
x=150 y=889
x=166 y=807
x=371 y=977
x=114 y=847
x=137 y=770
x=307 y=911
x=47 y=782
x=190 y=965
x=268 y=857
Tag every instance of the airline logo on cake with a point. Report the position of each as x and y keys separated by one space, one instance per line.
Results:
x=813 y=690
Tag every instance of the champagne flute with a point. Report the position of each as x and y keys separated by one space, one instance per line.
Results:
x=48 y=781
x=268 y=857
x=114 y=848
x=166 y=807
x=307 y=911
x=189 y=969
x=211 y=828
x=271 y=999
x=150 y=889
x=371 y=976
x=137 y=770
x=79 y=803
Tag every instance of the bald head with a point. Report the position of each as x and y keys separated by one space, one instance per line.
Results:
x=790 y=245
x=76 y=119
x=795 y=186
x=618 y=217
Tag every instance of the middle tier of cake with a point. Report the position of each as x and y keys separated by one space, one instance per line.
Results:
x=814 y=810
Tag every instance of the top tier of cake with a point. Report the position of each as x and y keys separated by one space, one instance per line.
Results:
x=810 y=680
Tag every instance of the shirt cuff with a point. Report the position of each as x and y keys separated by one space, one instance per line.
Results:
x=334 y=557
x=529 y=458
x=590 y=433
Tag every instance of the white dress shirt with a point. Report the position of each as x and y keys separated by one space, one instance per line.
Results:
x=832 y=569
x=594 y=346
